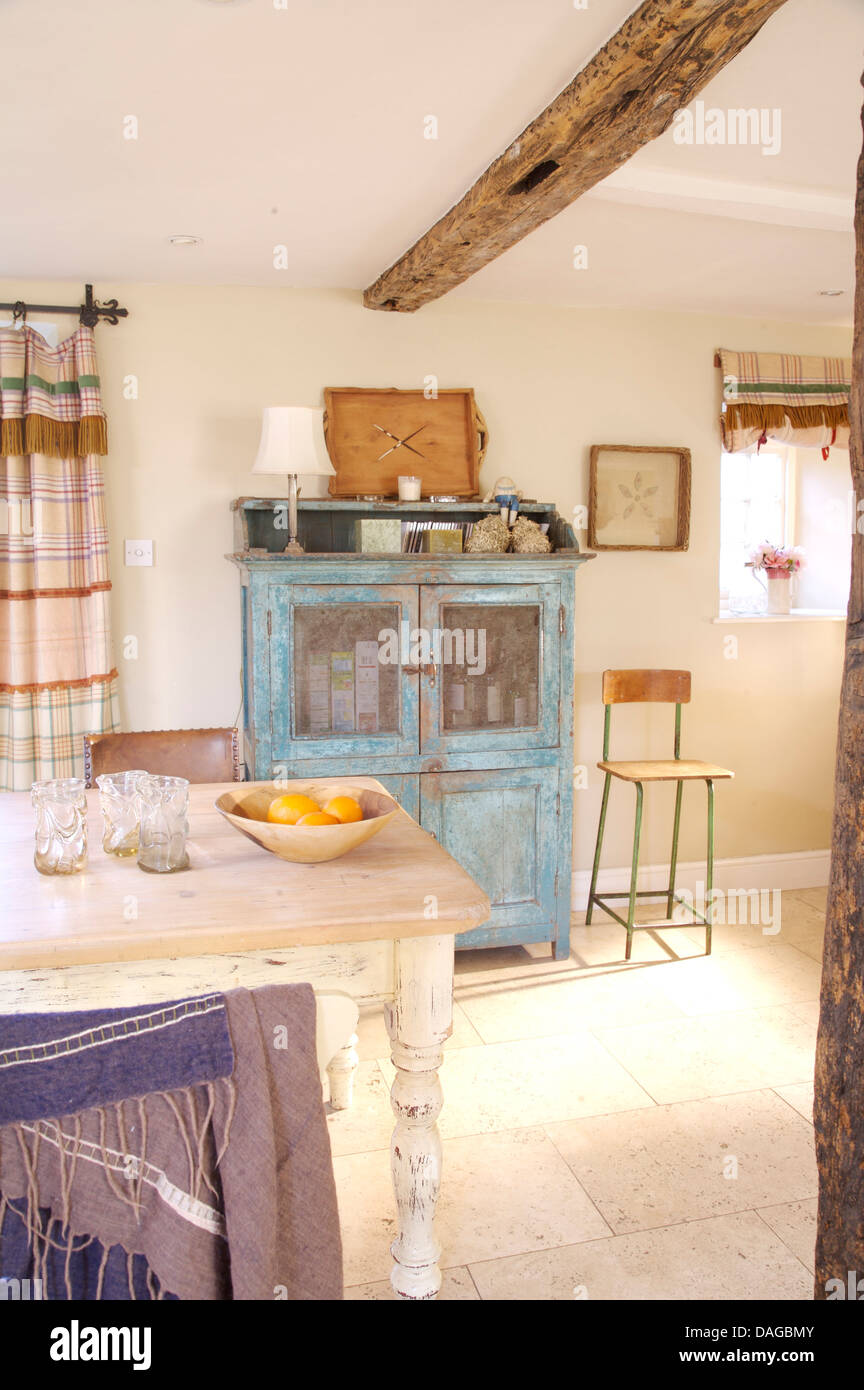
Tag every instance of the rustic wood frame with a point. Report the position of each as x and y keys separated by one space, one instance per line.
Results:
x=682 y=530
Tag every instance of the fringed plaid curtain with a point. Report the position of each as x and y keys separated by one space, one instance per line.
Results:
x=57 y=677
x=803 y=401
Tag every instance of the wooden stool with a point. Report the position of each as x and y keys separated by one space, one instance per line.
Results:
x=667 y=687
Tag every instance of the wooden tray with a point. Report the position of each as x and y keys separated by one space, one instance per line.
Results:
x=448 y=432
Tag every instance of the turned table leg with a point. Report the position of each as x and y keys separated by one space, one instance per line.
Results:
x=418 y=1021
x=341 y=1070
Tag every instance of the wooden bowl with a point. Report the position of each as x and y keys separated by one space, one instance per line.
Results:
x=246 y=810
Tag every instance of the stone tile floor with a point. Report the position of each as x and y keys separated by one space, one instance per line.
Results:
x=611 y=1129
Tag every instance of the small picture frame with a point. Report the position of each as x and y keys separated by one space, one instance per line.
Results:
x=639 y=497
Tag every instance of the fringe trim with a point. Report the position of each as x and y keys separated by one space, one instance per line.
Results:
x=125 y=1185
x=11 y=595
x=63 y=439
x=745 y=415
x=58 y=685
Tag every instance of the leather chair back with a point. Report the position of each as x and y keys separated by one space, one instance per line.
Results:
x=201 y=755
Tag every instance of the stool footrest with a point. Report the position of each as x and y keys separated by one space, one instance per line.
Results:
x=699 y=919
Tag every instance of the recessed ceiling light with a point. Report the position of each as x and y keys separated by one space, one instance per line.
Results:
x=184 y=240
x=831 y=294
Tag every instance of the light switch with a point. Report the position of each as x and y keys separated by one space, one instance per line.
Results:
x=139 y=552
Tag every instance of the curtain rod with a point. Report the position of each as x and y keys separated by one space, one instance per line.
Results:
x=89 y=313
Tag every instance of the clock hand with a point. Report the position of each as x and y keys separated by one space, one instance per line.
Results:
x=399 y=442
x=404 y=442
x=413 y=450
x=411 y=446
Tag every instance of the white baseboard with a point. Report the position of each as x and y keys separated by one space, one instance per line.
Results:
x=808 y=869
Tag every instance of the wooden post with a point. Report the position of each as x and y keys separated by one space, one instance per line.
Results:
x=839 y=1101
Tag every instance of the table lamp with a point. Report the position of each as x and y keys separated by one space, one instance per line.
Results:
x=292 y=442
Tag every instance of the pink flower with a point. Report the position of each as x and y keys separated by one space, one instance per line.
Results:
x=777 y=557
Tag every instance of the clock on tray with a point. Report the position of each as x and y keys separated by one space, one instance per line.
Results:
x=374 y=435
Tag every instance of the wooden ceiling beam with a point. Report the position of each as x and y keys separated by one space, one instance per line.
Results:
x=626 y=96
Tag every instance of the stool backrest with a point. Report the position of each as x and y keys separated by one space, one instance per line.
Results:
x=645 y=687
x=655 y=687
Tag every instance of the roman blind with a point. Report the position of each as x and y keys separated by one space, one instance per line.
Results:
x=802 y=401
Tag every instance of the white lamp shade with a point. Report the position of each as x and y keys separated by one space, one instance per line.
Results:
x=292 y=441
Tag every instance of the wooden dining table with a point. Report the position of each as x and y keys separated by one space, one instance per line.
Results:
x=378 y=924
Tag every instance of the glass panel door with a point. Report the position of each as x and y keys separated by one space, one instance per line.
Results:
x=492 y=678
x=337 y=683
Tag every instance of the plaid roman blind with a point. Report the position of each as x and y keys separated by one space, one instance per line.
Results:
x=802 y=401
x=57 y=677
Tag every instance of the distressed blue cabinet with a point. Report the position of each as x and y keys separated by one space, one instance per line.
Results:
x=447 y=677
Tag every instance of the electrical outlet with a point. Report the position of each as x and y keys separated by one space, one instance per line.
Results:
x=139 y=552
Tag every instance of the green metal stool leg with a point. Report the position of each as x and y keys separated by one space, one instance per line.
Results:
x=709 y=876
x=673 y=864
x=594 y=872
x=631 y=910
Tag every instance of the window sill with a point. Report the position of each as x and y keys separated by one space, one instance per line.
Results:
x=798 y=615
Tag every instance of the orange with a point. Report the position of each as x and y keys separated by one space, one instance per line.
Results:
x=287 y=810
x=344 y=808
x=317 y=818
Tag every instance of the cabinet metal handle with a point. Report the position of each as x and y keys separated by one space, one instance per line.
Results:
x=428 y=669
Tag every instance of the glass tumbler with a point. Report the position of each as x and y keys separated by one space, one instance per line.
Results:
x=164 y=824
x=61 y=825
x=120 y=799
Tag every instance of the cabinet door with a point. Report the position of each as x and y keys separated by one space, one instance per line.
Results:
x=493 y=681
x=336 y=683
x=502 y=827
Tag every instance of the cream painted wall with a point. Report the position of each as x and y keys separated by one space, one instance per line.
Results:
x=551 y=382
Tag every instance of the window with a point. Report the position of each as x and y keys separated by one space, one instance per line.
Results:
x=790 y=497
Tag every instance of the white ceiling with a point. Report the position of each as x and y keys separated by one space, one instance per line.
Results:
x=303 y=126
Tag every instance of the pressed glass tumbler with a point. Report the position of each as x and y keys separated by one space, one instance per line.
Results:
x=61 y=825
x=120 y=799
x=164 y=824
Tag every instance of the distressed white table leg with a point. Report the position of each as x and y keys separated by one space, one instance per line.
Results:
x=418 y=1021
x=337 y=1018
x=341 y=1070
